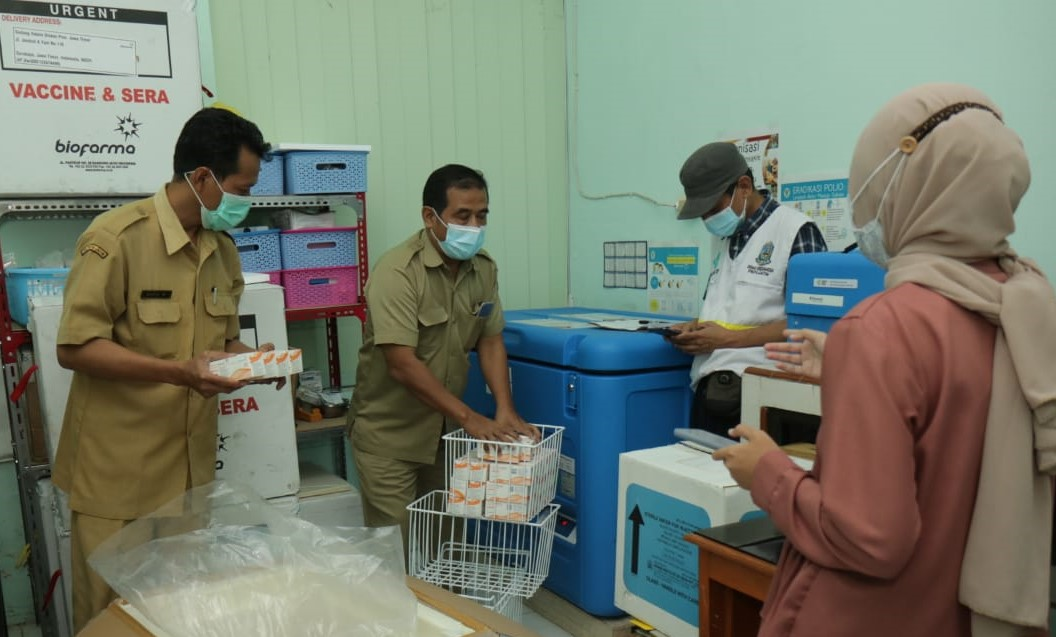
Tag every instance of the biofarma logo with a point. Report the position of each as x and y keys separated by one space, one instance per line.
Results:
x=127 y=127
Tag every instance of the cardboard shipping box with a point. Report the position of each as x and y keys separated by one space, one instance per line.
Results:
x=256 y=442
x=665 y=493
x=119 y=619
x=95 y=95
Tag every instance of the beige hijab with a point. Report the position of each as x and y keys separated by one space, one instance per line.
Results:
x=950 y=204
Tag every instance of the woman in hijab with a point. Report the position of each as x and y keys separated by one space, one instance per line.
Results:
x=929 y=508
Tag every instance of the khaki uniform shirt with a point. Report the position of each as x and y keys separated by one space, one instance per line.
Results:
x=127 y=447
x=413 y=300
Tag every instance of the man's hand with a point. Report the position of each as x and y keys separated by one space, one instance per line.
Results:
x=688 y=326
x=507 y=427
x=800 y=356
x=198 y=377
x=508 y=418
x=703 y=338
x=742 y=459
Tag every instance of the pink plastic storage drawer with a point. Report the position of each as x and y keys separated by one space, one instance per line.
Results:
x=321 y=287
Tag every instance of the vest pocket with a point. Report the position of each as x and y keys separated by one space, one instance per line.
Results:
x=768 y=284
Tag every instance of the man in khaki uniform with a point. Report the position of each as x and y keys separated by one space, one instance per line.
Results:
x=151 y=299
x=431 y=300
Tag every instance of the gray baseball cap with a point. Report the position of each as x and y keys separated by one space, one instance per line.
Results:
x=707 y=174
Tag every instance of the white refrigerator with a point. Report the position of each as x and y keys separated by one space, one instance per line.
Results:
x=256 y=440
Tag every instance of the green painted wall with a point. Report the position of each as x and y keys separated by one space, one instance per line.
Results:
x=428 y=82
x=425 y=82
x=651 y=82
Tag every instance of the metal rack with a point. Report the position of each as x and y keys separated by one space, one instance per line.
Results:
x=14 y=338
x=357 y=201
x=331 y=430
x=490 y=561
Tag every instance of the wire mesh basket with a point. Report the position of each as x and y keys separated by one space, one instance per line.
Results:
x=507 y=604
x=474 y=556
x=511 y=481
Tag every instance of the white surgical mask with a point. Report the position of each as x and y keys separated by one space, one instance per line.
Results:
x=870 y=237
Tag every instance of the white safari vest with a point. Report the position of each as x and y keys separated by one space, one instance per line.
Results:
x=749 y=290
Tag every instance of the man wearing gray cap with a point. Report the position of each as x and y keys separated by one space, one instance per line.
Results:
x=744 y=303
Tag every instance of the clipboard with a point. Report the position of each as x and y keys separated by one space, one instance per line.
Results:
x=657 y=326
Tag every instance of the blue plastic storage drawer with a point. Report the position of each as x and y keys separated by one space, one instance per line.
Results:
x=258 y=249
x=318 y=248
x=23 y=283
x=271 y=177
x=316 y=172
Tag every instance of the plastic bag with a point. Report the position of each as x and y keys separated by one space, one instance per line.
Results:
x=53 y=259
x=221 y=561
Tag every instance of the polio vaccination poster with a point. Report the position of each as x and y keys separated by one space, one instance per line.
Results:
x=674 y=279
x=94 y=96
x=760 y=150
x=826 y=202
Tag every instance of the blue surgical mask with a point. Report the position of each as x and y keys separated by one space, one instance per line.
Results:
x=462 y=242
x=231 y=211
x=725 y=223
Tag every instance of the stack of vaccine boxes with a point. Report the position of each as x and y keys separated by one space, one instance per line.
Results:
x=257 y=365
x=502 y=481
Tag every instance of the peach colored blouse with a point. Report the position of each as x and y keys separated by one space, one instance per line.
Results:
x=876 y=531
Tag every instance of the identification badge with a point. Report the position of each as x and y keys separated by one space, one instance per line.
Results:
x=484 y=309
x=156 y=294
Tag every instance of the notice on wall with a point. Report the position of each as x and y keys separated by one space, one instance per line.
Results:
x=624 y=265
x=760 y=150
x=674 y=277
x=825 y=201
x=94 y=96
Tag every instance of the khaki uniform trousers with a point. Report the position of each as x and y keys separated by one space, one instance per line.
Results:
x=389 y=485
x=91 y=594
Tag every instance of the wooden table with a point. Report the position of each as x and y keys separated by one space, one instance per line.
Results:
x=737 y=562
